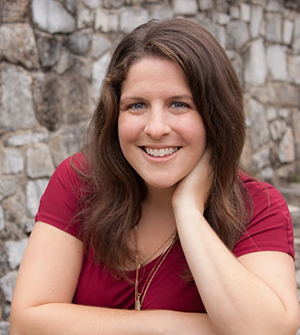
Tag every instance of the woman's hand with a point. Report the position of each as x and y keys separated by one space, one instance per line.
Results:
x=194 y=189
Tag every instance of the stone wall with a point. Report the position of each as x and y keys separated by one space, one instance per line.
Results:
x=53 y=56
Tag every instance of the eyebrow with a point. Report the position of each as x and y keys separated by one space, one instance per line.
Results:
x=174 y=97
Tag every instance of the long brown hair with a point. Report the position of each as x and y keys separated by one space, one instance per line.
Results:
x=112 y=203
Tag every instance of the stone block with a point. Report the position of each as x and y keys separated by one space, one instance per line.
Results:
x=234 y=12
x=187 y=7
x=79 y=42
x=130 y=18
x=256 y=21
x=296 y=131
x=24 y=138
x=106 y=21
x=271 y=114
x=277 y=128
x=99 y=70
x=7 y=284
x=258 y=131
x=46 y=99
x=13 y=161
x=296 y=46
x=287 y=95
x=49 y=49
x=274 y=6
x=256 y=64
x=288 y=27
x=112 y=3
x=85 y=18
x=286 y=149
x=92 y=3
x=15 y=251
x=71 y=5
x=4 y=328
x=17 y=45
x=16 y=113
x=73 y=92
x=294 y=70
x=34 y=192
x=205 y=4
x=7 y=188
x=14 y=11
x=238 y=34
x=160 y=12
x=100 y=45
x=245 y=12
x=51 y=16
x=260 y=159
x=2 y=219
x=273 y=31
x=39 y=161
x=277 y=61
x=66 y=61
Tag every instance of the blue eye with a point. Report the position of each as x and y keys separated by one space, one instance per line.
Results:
x=138 y=105
x=179 y=105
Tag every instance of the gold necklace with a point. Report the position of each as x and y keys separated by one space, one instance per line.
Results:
x=140 y=296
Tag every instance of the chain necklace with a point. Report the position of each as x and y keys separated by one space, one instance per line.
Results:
x=140 y=295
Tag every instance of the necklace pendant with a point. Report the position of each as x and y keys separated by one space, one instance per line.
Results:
x=138 y=305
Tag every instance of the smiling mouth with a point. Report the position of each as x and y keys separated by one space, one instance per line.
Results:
x=161 y=152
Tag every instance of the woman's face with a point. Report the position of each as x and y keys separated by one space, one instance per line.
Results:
x=161 y=133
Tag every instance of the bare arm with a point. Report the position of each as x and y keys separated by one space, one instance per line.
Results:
x=47 y=280
x=255 y=294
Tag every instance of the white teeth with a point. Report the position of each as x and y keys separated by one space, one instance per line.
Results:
x=160 y=152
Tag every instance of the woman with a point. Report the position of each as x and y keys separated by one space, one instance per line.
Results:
x=153 y=229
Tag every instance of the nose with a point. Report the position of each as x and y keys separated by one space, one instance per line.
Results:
x=157 y=124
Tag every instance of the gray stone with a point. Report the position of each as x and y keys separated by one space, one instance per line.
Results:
x=277 y=62
x=99 y=69
x=261 y=158
x=256 y=21
x=15 y=251
x=16 y=113
x=205 y=4
x=287 y=95
x=267 y=174
x=221 y=18
x=274 y=6
x=4 y=328
x=187 y=7
x=74 y=97
x=39 y=161
x=106 y=21
x=218 y=32
x=19 y=140
x=245 y=12
x=130 y=18
x=265 y=94
x=34 y=191
x=52 y=17
x=271 y=114
x=70 y=5
x=13 y=11
x=47 y=102
x=49 y=49
x=17 y=45
x=286 y=149
x=2 y=219
x=234 y=12
x=296 y=46
x=13 y=161
x=85 y=18
x=100 y=45
x=277 y=128
x=92 y=3
x=296 y=129
x=238 y=34
x=259 y=133
x=82 y=67
x=65 y=143
x=284 y=113
x=294 y=70
x=7 y=284
x=273 y=27
x=112 y=3
x=161 y=12
x=79 y=42
x=288 y=27
x=65 y=62
x=256 y=65
x=297 y=27
x=7 y=188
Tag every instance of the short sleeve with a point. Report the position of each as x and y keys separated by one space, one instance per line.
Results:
x=59 y=203
x=270 y=227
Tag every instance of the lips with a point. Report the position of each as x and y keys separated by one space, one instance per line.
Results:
x=162 y=152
